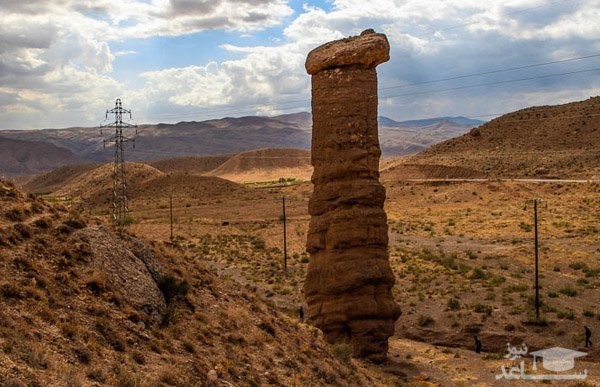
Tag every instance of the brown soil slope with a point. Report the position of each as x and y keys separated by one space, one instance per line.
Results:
x=96 y=186
x=57 y=178
x=80 y=305
x=544 y=141
x=182 y=184
x=23 y=157
x=198 y=165
x=266 y=164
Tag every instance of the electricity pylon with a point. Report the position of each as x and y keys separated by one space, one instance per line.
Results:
x=119 y=209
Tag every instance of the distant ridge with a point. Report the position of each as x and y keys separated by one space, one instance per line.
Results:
x=542 y=141
x=464 y=121
x=214 y=137
x=21 y=157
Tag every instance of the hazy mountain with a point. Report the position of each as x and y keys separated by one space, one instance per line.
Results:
x=462 y=121
x=213 y=137
x=22 y=157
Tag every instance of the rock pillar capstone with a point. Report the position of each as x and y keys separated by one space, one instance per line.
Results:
x=349 y=279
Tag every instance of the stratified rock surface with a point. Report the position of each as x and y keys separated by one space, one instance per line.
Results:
x=349 y=279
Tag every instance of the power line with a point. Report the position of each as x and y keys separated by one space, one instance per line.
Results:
x=491 y=72
x=492 y=83
x=298 y=104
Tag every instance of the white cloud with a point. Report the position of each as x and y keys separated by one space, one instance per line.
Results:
x=55 y=57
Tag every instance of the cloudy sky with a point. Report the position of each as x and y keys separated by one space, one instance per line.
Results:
x=64 y=62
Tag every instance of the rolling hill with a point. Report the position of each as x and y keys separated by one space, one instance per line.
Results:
x=544 y=141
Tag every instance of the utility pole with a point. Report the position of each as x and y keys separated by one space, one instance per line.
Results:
x=536 y=244
x=284 y=236
x=119 y=203
x=171 y=215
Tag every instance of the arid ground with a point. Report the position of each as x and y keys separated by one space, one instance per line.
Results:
x=462 y=253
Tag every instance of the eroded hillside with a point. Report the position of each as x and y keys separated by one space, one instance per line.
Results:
x=81 y=305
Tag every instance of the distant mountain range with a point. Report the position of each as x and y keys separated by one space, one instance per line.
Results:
x=33 y=151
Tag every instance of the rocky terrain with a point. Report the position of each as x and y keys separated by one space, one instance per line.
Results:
x=81 y=305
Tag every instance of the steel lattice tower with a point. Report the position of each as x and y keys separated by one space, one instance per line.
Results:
x=119 y=203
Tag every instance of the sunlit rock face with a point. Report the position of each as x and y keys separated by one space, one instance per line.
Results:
x=349 y=280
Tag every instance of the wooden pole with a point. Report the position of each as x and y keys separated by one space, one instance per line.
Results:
x=537 y=288
x=171 y=215
x=284 y=236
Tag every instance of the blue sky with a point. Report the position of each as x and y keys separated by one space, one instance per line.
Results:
x=64 y=62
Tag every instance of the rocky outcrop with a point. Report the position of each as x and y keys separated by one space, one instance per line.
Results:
x=129 y=270
x=349 y=280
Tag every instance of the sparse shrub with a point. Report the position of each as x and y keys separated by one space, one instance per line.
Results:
x=483 y=308
x=567 y=314
x=588 y=313
x=25 y=264
x=97 y=375
x=96 y=283
x=527 y=227
x=568 y=291
x=578 y=265
x=83 y=355
x=343 y=351
x=43 y=223
x=14 y=215
x=171 y=287
x=425 y=321
x=477 y=273
x=138 y=357
x=453 y=304
x=9 y=290
x=515 y=288
x=552 y=294
x=34 y=355
x=533 y=320
x=189 y=346
x=496 y=280
x=267 y=327
x=592 y=273
x=509 y=327
x=472 y=255
x=23 y=230
x=75 y=223
x=258 y=244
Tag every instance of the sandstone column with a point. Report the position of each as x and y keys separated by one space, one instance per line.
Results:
x=349 y=280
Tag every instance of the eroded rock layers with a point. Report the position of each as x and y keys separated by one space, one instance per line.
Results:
x=349 y=279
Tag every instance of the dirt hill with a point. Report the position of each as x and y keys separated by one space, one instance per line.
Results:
x=544 y=141
x=23 y=157
x=265 y=165
x=195 y=165
x=96 y=185
x=80 y=305
x=57 y=178
x=182 y=184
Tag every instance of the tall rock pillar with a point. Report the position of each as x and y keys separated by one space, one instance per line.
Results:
x=349 y=280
